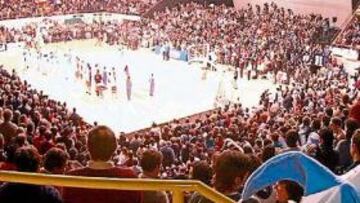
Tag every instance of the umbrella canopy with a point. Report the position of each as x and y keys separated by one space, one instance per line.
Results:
x=353 y=177
x=306 y=171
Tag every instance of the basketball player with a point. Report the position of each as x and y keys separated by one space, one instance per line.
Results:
x=98 y=80
x=152 y=85
x=39 y=57
x=236 y=74
x=81 y=69
x=127 y=71
x=78 y=69
x=99 y=39
x=249 y=68
x=114 y=81
x=234 y=82
x=114 y=74
x=128 y=88
x=220 y=99
x=26 y=54
x=71 y=56
x=105 y=77
x=89 y=81
x=204 y=74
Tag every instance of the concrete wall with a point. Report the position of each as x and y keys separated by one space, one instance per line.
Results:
x=341 y=9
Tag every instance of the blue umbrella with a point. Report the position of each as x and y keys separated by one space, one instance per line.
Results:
x=304 y=170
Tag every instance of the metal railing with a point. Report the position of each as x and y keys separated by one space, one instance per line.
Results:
x=176 y=187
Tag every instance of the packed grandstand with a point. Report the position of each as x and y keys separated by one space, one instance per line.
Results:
x=315 y=110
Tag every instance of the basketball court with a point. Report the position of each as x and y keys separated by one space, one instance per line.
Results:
x=180 y=89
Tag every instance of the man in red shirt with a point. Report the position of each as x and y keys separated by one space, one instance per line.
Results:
x=101 y=144
x=355 y=111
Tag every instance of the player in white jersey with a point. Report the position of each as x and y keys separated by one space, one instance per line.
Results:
x=82 y=70
x=234 y=81
x=70 y=56
x=127 y=71
x=128 y=88
x=152 y=85
x=114 y=73
x=89 y=79
x=204 y=73
x=39 y=60
x=78 y=69
x=26 y=59
x=235 y=97
x=112 y=84
x=221 y=99
x=113 y=80
x=105 y=77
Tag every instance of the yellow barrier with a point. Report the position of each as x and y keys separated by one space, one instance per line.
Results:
x=177 y=187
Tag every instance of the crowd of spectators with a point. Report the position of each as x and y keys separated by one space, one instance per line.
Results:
x=263 y=39
x=114 y=33
x=317 y=112
x=35 y=8
x=350 y=37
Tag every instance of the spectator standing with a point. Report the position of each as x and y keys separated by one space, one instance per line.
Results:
x=343 y=146
x=101 y=145
x=291 y=139
x=325 y=152
x=230 y=173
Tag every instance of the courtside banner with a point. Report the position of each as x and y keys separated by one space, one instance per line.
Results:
x=345 y=52
x=174 y=53
x=17 y=45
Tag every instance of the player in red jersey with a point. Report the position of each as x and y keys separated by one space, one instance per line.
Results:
x=98 y=80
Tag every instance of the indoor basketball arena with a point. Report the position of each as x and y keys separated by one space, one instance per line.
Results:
x=179 y=101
